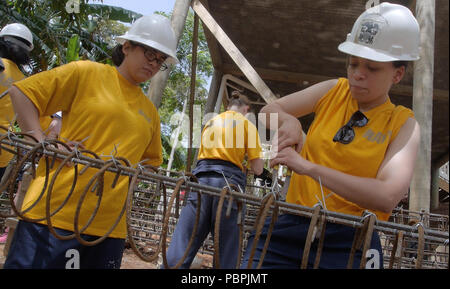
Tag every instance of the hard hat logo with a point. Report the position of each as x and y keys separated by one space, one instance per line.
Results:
x=368 y=32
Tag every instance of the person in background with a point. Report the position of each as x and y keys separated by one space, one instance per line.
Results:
x=16 y=43
x=226 y=140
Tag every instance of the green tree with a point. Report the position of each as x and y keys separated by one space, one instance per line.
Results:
x=177 y=90
x=54 y=25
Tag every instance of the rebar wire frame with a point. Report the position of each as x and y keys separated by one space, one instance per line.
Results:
x=46 y=149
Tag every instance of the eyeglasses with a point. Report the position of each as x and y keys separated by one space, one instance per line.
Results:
x=151 y=55
x=346 y=134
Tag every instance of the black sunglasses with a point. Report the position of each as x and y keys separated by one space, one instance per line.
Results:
x=346 y=134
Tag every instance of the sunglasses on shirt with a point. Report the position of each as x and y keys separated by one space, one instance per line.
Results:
x=346 y=134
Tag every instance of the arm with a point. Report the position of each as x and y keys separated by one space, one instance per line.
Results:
x=27 y=114
x=257 y=166
x=381 y=193
x=291 y=107
x=54 y=128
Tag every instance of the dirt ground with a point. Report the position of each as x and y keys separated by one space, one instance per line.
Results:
x=131 y=261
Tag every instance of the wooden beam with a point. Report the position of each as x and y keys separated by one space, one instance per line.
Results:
x=192 y=91
x=233 y=51
x=310 y=79
x=420 y=192
x=214 y=50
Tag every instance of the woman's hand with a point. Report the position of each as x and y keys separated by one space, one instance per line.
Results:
x=289 y=134
x=292 y=159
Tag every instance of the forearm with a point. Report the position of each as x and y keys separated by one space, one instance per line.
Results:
x=280 y=116
x=370 y=193
x=27 y=114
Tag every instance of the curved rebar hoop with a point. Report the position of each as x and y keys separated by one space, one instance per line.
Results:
x=266 y=203
x=397 y=246
x=175 y=192
x=224 y=192
x=367 y=239
x=309 y=237
x=33 y=154
x=128 y=216
x=421 y=244
x=99 y=177
x=49 y=214
x=50 y=190
x=322 y=226
x=362 y=234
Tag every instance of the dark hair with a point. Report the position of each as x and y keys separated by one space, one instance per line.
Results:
x=13 y=52
x=238 y=99
x=117 y=55
x=400 y=63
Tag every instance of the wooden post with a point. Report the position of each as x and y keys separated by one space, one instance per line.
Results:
x=423 y=106
x=213 y=91
x=192 y=92
x=158 y=82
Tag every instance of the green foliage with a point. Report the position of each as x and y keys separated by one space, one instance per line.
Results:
x=73 y=48
x=178 y=86
x=53 y=28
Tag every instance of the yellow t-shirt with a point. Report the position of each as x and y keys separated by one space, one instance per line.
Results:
x=229 y=136
x=7 y=116
x=362 y=157
x=113 y=117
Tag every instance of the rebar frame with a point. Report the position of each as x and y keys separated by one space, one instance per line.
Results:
x=408 y=241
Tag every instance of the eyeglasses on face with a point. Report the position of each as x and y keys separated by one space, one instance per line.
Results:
x=346 y=134
x=152 y=56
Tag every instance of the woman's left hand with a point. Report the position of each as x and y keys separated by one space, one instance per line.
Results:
x=292 y=159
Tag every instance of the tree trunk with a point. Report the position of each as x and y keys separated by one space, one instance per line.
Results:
x=158 y=82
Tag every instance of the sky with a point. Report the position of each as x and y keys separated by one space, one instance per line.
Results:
x=144 y=7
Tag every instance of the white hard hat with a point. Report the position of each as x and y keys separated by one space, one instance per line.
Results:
x=154 y=31
x=387 y=32
x=20 y=31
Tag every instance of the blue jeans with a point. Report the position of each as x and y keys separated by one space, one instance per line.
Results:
x=228 y=234
x=34 y=247
x=288 y=239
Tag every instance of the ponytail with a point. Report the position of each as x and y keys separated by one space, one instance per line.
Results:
x=238 y=99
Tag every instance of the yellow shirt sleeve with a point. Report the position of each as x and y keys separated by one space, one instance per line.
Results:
x=51 y=96
x=154 y=149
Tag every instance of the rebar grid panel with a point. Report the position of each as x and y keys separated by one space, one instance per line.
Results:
x=153 y=209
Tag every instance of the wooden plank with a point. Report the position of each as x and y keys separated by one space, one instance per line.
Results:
x=212 y=43
x=233 y=51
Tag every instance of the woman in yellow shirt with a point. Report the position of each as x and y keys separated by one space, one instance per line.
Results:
x=226 y=140
x=360 y=150
x=104 y=107
x=16 y=42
